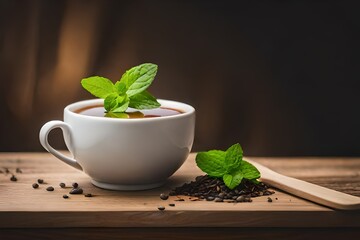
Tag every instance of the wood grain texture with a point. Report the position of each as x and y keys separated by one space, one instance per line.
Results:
x=22 y=206
x=309 y=191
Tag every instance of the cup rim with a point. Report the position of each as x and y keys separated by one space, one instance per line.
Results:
x=186 y=108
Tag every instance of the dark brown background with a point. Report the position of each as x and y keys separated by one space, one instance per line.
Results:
x=279 y=77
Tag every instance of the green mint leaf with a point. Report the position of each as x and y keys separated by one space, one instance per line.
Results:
x=249 y=171
x=116 y=103
x=139 y=78
x=121 y=106
x=211 y=162
x=110 y=101
x=120 y=88
x=143 y=100
x=227 y=165
x=121 y=99
x=98 y=86
x=233 y=157
x=232 y=180
x=255 y=181
x=116 y=115
x=128 y=91
x=227 y=178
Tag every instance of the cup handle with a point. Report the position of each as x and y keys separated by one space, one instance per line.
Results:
x=66 y=129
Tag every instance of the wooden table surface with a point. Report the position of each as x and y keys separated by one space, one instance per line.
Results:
x=27 y=209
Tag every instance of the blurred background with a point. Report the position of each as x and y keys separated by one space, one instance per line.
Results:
x=279 y=77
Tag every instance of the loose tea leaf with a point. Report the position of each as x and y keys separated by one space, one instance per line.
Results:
x=76 y=190
x=161 y=208
x=163 y=196
x=208 y=188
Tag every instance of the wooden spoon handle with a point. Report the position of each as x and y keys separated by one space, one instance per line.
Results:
x=312 y=192
x=309 y=191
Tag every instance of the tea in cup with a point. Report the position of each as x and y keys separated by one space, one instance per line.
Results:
x=135 y=153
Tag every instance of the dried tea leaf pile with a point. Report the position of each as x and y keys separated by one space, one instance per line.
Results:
x=213 y=189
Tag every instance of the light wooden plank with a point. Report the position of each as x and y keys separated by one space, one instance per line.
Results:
x=20 y=204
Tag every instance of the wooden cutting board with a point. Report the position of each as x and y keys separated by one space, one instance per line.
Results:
x=22 y=206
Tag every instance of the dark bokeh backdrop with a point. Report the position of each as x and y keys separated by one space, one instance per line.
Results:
x=279 y=77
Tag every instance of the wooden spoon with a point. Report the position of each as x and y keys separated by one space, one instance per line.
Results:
x=309 y=191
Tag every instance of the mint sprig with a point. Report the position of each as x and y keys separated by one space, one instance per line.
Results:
x=129 y=91
x=227 y=165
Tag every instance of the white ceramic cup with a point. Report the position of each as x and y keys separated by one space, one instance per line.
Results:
x=124 y=154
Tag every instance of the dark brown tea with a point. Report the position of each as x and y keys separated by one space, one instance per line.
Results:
x=99 y=111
